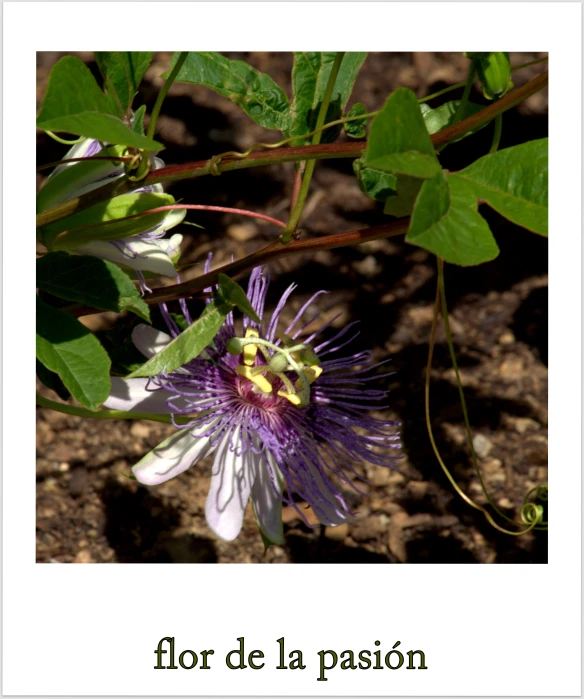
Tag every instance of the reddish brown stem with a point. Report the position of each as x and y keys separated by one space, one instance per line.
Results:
x=267 y=254
x=280 y=155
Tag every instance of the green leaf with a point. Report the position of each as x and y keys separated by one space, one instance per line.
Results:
x=443 y=116
x=399 y=141
x=357 y=128
x=84 y=226
x=188 y=345
x=138 y=119
x=101 y=127
x=255 y=92
x=91 y=281
x=52 y=381
x=66 y=347
x=410 y=163
x=402 y=202
x=310 y=75
x=122 y=73
x=232 y=293
x=514 y=182
x=445 y=221
x=74 y=103
x=376 y=184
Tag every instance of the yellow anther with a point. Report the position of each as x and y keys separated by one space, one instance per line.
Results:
x=311 y=373
x=294 y=398
x=260 y=381
x=250 y=351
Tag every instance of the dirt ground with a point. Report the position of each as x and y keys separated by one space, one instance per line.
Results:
x=88 y=511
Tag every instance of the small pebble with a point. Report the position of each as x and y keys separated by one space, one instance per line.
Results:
x=523 y=424
x=84 y=556
x=242 y=232
x=482 y=445
x=139 y=430
x=507 y=338
x=337 y=533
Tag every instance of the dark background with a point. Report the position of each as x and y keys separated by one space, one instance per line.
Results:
x=88 y=511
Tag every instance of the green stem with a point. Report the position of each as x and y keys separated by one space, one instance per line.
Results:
x=352 y=149
x=442 y=92
x=144 y=165
x=454 y=484
x=442 y=290
x=101 y=414
x=466 y=94
x=162 y=94
x=286 y=237
x=497 y=133
x=63 y=140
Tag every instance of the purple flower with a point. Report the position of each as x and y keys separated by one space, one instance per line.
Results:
x=284 y=416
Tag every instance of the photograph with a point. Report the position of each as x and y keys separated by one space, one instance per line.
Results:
x=292 y=307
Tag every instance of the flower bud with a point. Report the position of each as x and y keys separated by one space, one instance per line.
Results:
x=495 y=75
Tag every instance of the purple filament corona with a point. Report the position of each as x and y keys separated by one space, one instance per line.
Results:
x=299 y=447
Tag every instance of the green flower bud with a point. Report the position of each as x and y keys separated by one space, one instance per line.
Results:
x=495 y=75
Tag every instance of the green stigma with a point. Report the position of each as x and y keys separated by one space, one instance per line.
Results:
x=299 y=358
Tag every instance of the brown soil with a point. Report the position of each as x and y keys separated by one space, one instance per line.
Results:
x=88 y=510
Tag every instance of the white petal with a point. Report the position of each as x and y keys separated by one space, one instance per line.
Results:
x=267 y=505
x=150 y=256
x=170 y=458
x=77 y=151
x=140 y=395
x=230 y=488
x=172 y=219
x=148 y=340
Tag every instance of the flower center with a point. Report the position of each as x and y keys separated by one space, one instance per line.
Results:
x=284 y=359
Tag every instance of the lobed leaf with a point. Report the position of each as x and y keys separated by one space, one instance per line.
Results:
x=445 y=221
x=254 y=92
x=310 y=76
x=514 y=182
x=122 y=73
x=74 y=103
x=90 y=280
x=374 y=183
x=357 y=128
x=399 y=141
x=401 y=203
x=67 y=348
